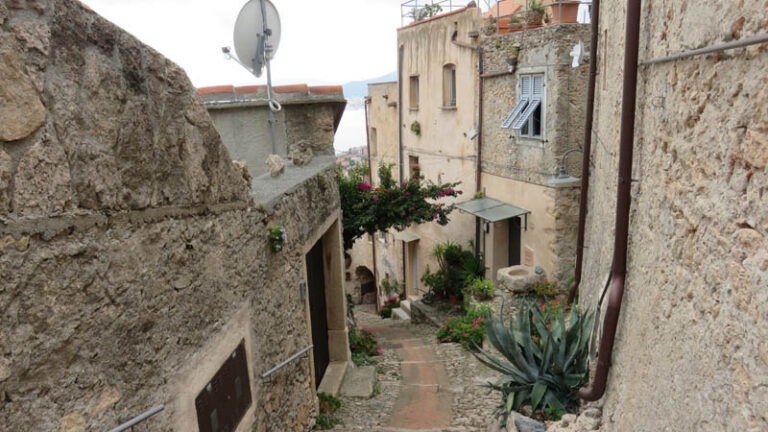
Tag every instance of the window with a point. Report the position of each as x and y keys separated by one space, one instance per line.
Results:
x=225 y=399
x=449 y=85
x=528 y=114
x=413 y=166
x=414 y=92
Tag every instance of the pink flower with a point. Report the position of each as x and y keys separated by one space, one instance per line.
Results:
x=364 y=186
x=407 y=194
x=474 y=326
x=463 y=335
x=439 y=211
x=434 y=217
x=386 y=190
x=375 y=197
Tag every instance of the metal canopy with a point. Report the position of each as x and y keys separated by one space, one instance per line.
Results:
x=406 y=237
x=491 y=210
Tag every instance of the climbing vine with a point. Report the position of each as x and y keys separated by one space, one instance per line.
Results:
x=367 y=209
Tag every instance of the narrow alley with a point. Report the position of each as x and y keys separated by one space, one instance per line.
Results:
x=421 y=385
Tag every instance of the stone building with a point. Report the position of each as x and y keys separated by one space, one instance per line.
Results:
x=136 y=267
x=691 y=351
x=533 y=101
x=423 y=124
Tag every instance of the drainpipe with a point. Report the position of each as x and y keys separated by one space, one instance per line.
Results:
x=479 y=167
x=587 y=148
x=370 y=178
x=623 y=201
x=400 y=138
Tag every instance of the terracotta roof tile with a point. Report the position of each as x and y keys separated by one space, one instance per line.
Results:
x=215 y=89
x=291 y=88
x=251 y=89
x=336 y=89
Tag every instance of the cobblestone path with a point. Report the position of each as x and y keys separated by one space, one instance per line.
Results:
x=423 y=386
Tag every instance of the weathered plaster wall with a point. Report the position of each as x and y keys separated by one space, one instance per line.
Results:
x=517 y=170
x=445 y=151
x=691 y=352
x=131 y=257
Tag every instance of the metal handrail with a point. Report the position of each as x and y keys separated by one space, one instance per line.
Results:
x=138 y=419
x=410 y=5
x=284 y=363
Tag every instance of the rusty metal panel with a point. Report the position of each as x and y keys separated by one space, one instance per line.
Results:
x=222 y=403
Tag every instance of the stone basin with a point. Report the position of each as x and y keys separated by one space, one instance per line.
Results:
x=519 y=278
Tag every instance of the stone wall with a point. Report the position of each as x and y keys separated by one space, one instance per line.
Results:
x=131 y=254
x=691 y=352
x=518 y=170
x=304 y=127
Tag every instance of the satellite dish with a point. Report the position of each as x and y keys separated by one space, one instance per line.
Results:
x=257 y=34
x=577 y=53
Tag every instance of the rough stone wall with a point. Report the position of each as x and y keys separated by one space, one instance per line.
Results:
x=128 y=239
x=544 y=50
x=515 y=169
x=692 y=346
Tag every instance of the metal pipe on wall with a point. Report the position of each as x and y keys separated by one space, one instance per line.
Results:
x=595 y=18
x=366 y=103
x=623 y=202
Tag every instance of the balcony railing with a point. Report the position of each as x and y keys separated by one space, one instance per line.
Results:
x=554 y=10
x=417 y=10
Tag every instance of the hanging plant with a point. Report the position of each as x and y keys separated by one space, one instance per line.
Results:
x=277 y=238
x=416 y=127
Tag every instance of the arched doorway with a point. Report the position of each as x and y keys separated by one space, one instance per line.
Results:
x=367 y=285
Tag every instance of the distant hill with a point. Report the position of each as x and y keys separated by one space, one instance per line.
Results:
x=359 y=89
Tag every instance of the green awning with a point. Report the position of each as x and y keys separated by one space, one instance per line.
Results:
x=491 y=210
x=406 y=236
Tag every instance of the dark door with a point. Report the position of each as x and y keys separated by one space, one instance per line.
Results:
x=514 y=241
x=317 y=310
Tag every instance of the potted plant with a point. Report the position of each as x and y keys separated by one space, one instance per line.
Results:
x=565 y=11
x=535 y=14
x=515 y=24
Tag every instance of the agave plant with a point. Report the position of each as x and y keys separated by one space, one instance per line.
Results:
x=544 y=364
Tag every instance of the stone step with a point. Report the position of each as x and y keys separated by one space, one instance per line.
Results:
x=359 y=382
x=406 y=306
x=400 y=315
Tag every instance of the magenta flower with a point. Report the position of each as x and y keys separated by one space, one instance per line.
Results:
x=375 y=197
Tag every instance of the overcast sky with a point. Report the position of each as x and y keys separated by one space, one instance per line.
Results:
x=323 y=41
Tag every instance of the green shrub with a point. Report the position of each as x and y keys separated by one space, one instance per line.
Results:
x=481 y=288
x=543 y=367
x=467 y=330
x=457 y=267
x=546 y=288
x=328 y=406
x=389 y=304
x=363 y=341
x=391 y=287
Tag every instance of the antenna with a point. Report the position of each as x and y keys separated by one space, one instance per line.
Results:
x=257 y=36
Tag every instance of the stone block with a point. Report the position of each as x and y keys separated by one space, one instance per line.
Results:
x=42 y=182
x=275 y=165
x=22 y=112
x=359 y=382
x=399 y=314
x=6 y=179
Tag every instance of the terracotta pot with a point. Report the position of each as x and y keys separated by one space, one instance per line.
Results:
x=534 y=18
x=565 y=13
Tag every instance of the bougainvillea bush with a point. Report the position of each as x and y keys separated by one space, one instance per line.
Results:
x=368 y=209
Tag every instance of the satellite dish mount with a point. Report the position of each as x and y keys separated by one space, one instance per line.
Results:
x=257 y=37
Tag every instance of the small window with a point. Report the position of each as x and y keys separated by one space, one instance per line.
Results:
x=414 y=92
x=225 y=399
x=413 y=166
x=449 y=85
x=527 y=116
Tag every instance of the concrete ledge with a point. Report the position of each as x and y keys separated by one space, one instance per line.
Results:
x=333 y=378
x=398 y=314
x=359 y=382
x=424 y=314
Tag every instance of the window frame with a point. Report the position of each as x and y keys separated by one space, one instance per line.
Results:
x=413 y=92
x=449 y=86
x=526 y=129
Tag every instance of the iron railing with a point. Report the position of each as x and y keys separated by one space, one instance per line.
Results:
x=410 y=8
x=138 y=419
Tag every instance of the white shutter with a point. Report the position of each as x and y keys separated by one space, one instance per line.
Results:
x=525 y=97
